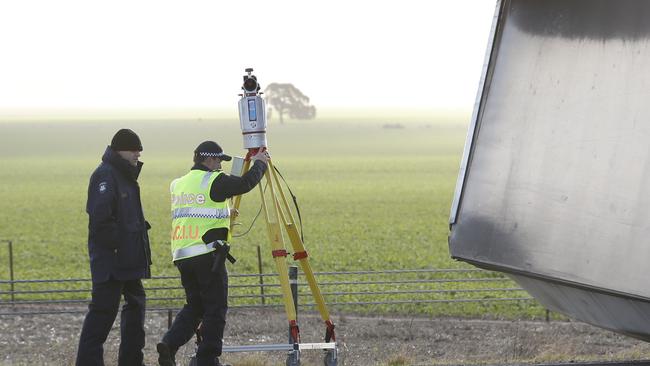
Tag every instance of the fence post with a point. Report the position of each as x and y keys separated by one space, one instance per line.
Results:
x=11 y=270
x=259 y=267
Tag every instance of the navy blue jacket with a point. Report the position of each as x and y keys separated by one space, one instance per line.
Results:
x=118 y=243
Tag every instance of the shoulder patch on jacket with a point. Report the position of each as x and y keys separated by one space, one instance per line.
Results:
x=103 y=187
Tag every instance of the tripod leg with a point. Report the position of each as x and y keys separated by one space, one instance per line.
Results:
x=279 y=253
x=300 y=254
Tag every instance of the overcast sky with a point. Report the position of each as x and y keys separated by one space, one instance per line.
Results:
x=192 y=54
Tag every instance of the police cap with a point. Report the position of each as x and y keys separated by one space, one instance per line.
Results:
x=211 y=148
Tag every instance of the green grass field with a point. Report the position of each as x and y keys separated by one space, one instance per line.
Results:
x=372 y=197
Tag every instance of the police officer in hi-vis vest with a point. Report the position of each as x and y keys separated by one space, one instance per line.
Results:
x=200 y=218
x=118 y=246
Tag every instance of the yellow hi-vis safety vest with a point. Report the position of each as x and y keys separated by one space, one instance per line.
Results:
x=194 y=213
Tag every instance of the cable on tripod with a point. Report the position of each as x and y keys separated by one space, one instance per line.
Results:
x=254 y=219
x=295 y=201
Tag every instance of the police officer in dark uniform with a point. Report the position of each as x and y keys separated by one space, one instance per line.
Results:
x=118 y=246
x=200 y=222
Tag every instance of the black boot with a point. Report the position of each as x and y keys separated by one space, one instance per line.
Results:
x=166 y=355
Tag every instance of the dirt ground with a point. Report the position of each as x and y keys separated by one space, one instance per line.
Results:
x=362 y=340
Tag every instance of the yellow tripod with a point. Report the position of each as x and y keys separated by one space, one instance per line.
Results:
x=277 y=214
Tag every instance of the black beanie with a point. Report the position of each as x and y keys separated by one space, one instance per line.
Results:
x=126 y=140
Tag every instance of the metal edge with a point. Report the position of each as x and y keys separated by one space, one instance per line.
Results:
x=460 y=182
x=577 y=363
x=280 y=347
x=581 y=286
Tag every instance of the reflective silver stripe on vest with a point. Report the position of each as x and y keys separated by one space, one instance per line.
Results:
x=201 y=212
x=193 y=251
x=206 y=180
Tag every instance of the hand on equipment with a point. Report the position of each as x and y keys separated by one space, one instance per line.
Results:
x=262 y=155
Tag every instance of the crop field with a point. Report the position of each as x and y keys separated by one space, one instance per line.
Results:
x=374 y=194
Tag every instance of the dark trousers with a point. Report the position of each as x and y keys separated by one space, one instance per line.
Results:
x=206 y=295
x=101 y=315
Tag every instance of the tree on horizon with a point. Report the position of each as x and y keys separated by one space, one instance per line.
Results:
x=286 y=99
